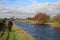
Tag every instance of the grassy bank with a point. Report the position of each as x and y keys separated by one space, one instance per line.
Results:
x=19 y=34
x=28 y=21
x=5 y=35
x=32 y=21
x=55 y=25
x=16 y=34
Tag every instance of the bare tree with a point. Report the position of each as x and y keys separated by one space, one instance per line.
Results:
x=57 y=18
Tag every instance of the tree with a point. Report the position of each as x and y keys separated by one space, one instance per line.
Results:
x=57 y=18
x=13 y=18
x=41 y=17
x=29 y=18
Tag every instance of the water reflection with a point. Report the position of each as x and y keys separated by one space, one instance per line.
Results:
x=40 y=32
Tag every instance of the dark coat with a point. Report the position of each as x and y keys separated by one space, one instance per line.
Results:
x=10 y=23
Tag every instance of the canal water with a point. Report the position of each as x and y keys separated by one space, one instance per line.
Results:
x=40 y=32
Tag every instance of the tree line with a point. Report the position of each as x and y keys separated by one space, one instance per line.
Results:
x=44 y=18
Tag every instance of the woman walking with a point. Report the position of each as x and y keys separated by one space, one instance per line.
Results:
x=10 y=23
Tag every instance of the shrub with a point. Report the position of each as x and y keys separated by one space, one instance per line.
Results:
x=2 y=24
x=57 y=18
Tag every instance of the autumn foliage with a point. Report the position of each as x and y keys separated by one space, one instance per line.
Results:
x=41 y=17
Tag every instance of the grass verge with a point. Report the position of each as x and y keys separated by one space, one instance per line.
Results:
x=19 y=34
x=55 y=25
x=4 y=37
x=16 y=34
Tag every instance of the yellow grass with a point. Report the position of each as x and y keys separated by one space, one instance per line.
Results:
x=28 y=21
x=55 y=25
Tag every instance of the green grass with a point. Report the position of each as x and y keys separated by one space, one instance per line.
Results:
x=4 y=37
x=14 y=35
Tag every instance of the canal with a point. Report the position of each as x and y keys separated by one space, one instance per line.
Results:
x=40 y=32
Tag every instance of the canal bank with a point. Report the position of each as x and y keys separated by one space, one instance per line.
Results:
x=40 y=32
x=54 y=24
x=19 y=34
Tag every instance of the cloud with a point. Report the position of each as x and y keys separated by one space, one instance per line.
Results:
x=3 y=8
x=20 y=4
x=33 y=1
x=49 y=8
x=41 y=7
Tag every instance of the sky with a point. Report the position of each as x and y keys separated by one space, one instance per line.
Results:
x=28 y=8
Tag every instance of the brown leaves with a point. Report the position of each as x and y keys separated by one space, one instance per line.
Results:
x=41 y=16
